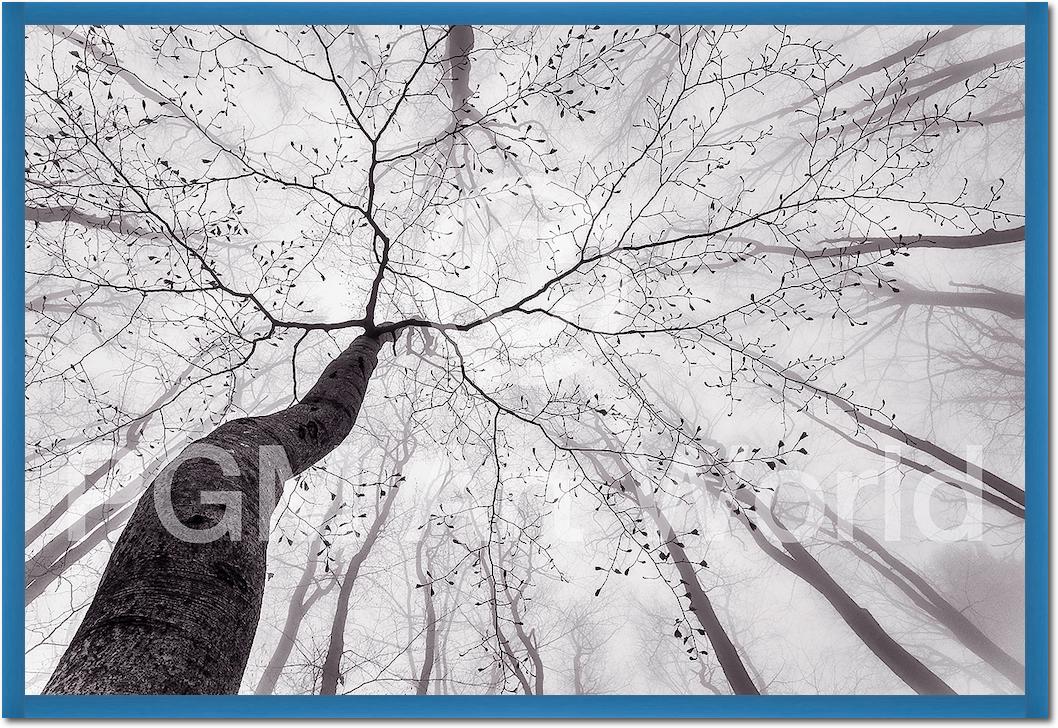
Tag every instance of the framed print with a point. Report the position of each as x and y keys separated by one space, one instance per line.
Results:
x=525 y=360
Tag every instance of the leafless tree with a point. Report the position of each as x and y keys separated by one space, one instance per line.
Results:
x=588 y=270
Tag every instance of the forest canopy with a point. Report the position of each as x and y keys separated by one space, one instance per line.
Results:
x=700 y=354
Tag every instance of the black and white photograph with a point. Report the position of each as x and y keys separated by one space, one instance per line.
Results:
x=525 y=360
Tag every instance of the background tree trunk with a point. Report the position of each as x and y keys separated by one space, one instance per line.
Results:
x=927 y=598
x=726 y=654
x=332 y=663
x=796 y=559
x=460 y=44
x=422 y=686
x=300 y=603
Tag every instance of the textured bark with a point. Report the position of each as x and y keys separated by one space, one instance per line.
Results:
x=176 y=617
x=332 y=664
x=69 y=546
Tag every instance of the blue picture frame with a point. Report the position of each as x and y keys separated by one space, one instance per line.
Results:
x=1035 y=702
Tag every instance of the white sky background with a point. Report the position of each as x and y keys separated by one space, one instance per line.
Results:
x=921 y=365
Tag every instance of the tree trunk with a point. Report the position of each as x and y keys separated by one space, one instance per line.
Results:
x=726 y=654
x=922 y=593
x=422 y=686
x=60 y=508
x=905 y=665
x=175 y=616
x=504 y=649
x=45 y=567
x=528 y=639
x=68 y=547
x=79 y=539
x=1003 y=487
x=988 y=496
x=460 y=43
x=133 y=434
x=300 y=603
x=578 y=672
x=332 y=664
x=796 y=559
